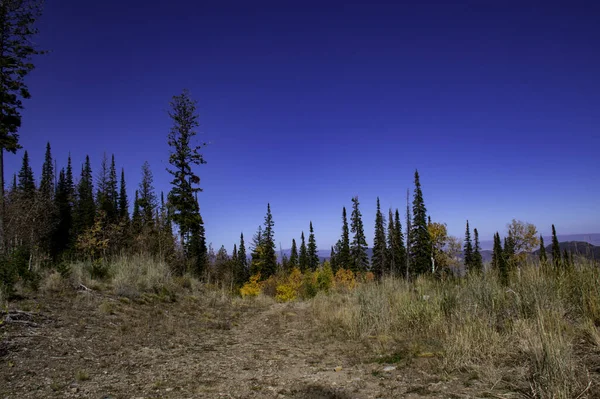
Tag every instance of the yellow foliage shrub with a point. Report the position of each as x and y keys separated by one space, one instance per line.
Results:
x=290 y=289
x=344 y=279
x=325 y=277
x=252 y=287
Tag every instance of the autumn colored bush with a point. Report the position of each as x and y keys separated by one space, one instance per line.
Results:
x=252 y=288
x=345 y=279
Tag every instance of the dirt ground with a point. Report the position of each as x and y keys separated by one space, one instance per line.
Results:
x=93 y=345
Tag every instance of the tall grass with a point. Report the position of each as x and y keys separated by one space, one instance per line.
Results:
x=534 y=328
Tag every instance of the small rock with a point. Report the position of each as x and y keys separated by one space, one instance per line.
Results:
x=169 y=389
x=337 y=369
x=389 y=368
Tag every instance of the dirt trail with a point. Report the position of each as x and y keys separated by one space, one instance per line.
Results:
x=96 y=346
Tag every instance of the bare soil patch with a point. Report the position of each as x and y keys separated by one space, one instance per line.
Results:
x=91 y=345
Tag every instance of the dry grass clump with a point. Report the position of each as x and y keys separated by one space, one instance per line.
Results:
x=535 y=328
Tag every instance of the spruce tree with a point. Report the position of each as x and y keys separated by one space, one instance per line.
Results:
x=257 y=254
x=477 y=259
x=509 y=252
x=47 y=180
x=313 y=255
x=333 y=260
x=343 y=259
x=543 y=256
x=468 y=250
x=26 y=183
x=103 y=199
x=555 y=249
x=61 y=238
x=420 y=249
x=358 y=249
x=85 y=208
x=17 y=49
x=391 y=243
x=269 y=266
x=70 y=184
x=293 y=255
x=303 y=258
x=136 y=218
x=399 y=246
x=496 y=252
x=408 y=238
x=378 y=261
x=503 y=262
x=113 y=195
x=123 y=201
x=147 y=198
x=185 y=184
x=242 y=266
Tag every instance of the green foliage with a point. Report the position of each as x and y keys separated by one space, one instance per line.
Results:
x=399 y=249
x=325 y=278
x=85 y=207
x=47 y=180
x=62 y=234
x=123 y=207
x=477 y=259
x=542 y=254
x=468 y=249
x=312 y=253
x=26 y=183
x=293 y=262
x=379 y=259
x=185 y=184
x=303 y=258
x=359 y=261
x=147 y=202
x=556 y=258
x=420 y=241
x=242 y=272
x=269 y=258
x=343 y=251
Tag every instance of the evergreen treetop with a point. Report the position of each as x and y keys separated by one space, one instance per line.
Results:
x=313 y=256
x=358 y=248
x=379 y=261
x=420 y=249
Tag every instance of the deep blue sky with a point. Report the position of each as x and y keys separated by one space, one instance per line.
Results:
x=307 y=104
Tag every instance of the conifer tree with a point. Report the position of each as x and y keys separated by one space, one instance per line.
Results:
x=70 y=184
x=468 y=250
x=61 y=238
x=543 y=256
x=391 y=256
x=123 y=201
x=420 y=249
x=358 y=249
x=103 y=199
x=242 y=269
x=113 y=195
x=477 y=259
x=147 y=198
x=17 y=49
x=185 y=184
x=303 y=258
x=496 y=252
x=293 y=262
x=136 y=218
x=257 y=255
x=343 y=256
x=197 y=249
x=47 y=180
x=333 y=260
x=269 y=266
x=379 y=261
x=313 y=256
x=234 y=255
x=408 y=238
x=503 y=265
x=555 y=249
x=26 y=183
x=399 y=247
x=85 y=208
x=509 y=252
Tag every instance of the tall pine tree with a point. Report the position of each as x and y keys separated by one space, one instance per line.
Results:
x=147 y=198
x=185 y=184
x=113 y=195
x=313 y=256
x=85 y=208
x=303 y=258
x=399 y=246
x=293 y=255
x=242 y=273
x=468 y=250
x=123 y=201
x=343 y=256
x=420 y=249
x=269 y=266
x=358 y=248
x=61 y=238
x=26 y=183
x=379 y=261
x=47 y=180
x=477 y=259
